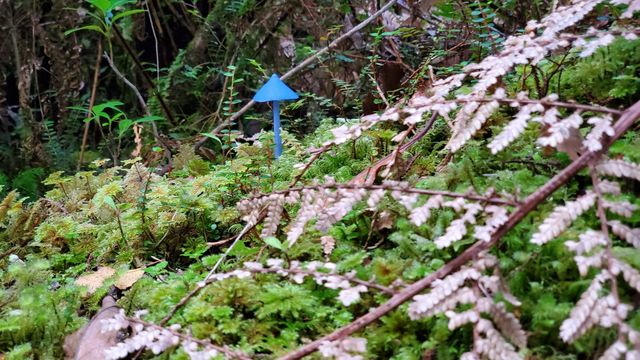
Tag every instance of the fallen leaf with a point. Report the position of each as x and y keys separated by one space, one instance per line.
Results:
x=129 y=278
x=90 y=342
x=94 y=280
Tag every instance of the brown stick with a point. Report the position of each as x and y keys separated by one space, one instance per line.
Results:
x=296 y=69
x=531 y=202
x=94 y=88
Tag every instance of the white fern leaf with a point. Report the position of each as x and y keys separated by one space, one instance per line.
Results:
x=472 y=126
x=498 y=217
x=619 y=168
x=601 y=126
x=561 y=131
x=348 y=198
x=514 y=128
x=587 y=311
x=632 y=236
x=449 y=289
x=629 y=273
x=421 y=214
x=622 y=208
x=508 y=324
x=457 y=320
x=493 y=345
x=562 y=217
x=609 y=187
x=589 y=240
x=615 y=351
x=274 y=213
x=458 y=228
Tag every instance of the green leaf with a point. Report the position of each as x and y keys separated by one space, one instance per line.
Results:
x=628 y=255
x=126 y=14
x=156 y=269
x=87 y=27
x=149 y=118
x=123 y=126
x=212 y=136
x=102 y=5
x=274 y=242
x=109 y=201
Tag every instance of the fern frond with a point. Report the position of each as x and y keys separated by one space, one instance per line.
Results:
x=587 y=311
x=274 y=213
x=619 y=168
x=561 y=217
x=632 y=236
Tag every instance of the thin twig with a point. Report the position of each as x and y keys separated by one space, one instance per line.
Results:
x=146 y=77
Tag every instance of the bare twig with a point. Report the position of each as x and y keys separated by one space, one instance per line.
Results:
x=146 y=77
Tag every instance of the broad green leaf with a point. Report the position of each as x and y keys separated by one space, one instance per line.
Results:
x=211 y=136
x=273 y=242
x=102 y=5
x=87 y=27
x=109 y=201
x=126 y=14
x=156 y=269
x=123 y=126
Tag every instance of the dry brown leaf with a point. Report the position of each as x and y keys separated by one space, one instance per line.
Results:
x=129 y=278
x=94 y=280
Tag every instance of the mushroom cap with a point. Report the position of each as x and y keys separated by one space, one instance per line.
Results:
x=275 y=90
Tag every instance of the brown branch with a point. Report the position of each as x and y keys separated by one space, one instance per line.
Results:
x=531 y=202
x=308 y=61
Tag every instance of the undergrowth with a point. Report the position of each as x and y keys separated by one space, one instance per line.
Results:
x=179 y=225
